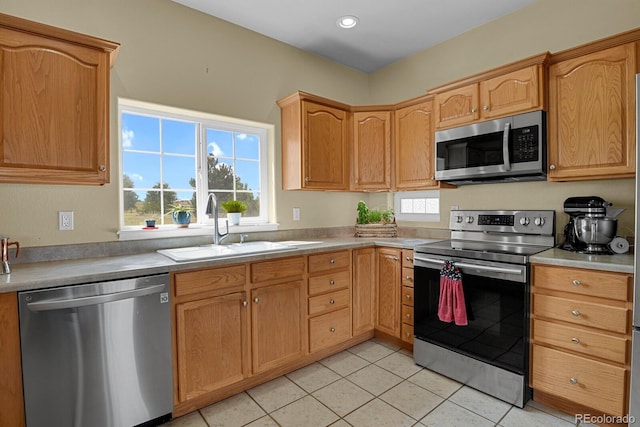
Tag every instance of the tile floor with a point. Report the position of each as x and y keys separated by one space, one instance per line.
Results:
x=371 y=384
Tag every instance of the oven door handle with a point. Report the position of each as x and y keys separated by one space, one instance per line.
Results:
x=505 y=146
x=478 y=267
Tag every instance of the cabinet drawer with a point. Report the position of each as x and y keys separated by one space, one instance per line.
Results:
x=329 y=261
x=331 y=301
x=407 y=258
x=328 y=282
x=595 y=315
x=288 y=268
x=329 y=329
x=594 y=384
x=222 y=278
x=590 y=343
x=407 y=314
x=407 y=277
x=602 y=284
x=407 y=333
x=407 y=295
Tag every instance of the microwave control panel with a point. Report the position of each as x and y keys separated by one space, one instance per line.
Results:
x=525 y=145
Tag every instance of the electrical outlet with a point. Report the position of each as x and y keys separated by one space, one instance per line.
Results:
x=65 y=220
x=296 y=214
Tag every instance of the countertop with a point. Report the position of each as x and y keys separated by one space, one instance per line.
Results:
x=41 y=275
x=617 y=263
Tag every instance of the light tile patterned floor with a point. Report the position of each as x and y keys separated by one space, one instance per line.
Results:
x=371 y=384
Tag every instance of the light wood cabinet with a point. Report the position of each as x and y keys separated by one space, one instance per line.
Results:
x=581 y=339
x=407 y=296
x=388 y=288
x=11 y=400
x=371 y=151
x=364 y=284
x=315 y=143
x=54 y=117
x=592 y=114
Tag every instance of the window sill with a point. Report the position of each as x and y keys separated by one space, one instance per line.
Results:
x=168 y=231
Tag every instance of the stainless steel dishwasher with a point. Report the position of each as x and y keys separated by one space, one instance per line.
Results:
x=98 y=354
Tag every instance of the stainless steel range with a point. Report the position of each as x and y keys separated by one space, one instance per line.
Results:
x=489 y=349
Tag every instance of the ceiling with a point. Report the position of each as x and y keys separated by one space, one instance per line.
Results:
x=387 y=31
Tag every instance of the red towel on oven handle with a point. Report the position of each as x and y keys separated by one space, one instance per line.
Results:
x=451 y=306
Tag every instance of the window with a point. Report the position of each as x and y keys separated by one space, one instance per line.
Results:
x=175 y=158
x=417 y=205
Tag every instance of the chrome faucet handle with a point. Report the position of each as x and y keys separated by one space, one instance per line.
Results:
x=242 y=237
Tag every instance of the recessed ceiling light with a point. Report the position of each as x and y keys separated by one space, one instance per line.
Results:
x=347 y=21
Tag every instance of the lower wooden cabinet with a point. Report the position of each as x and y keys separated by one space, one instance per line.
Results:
x=388 y=268
x=329 y=329
x=406 y=332
x=363 y=294
x=11 y=400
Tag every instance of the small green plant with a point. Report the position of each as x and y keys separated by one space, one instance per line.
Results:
x=372 y=216
x=363 y=212
x=177 y=207
x=231 y=206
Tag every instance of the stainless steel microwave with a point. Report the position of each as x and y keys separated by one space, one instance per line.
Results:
x=502 y=150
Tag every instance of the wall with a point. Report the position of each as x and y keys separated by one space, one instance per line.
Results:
x=173 y=55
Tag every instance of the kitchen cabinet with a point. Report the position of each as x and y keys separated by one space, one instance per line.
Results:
x=212 y=330
x=388 y=288
x=592 y=113
x=581 y=339
x=407 y=296
x=512 y=89
x=278 y=330
x=11 y=400
x=54 y=118
x=371 y=150
x=364 y=282
x=315 y=143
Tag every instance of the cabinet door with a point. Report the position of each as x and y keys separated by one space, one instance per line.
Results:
x=512 y=93
x=212 y=344
x=11 y=401
x=364 y=282
x=325 y=150
x=388 y=291
x=277 y=325
x=591 y=115
x=457 y=106
x=371 y=150
x=54 y=118
x=414 y=147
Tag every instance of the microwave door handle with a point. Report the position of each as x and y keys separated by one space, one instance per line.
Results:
x=505 y=146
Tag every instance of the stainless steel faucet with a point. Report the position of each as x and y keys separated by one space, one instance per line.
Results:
x=5 y=268
x=212 y=211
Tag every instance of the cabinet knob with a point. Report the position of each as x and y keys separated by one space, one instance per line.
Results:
x=408 y=258
x=575 y=340
x=485 y=107
x=306 y=179
x=552 y=167
x=408 y=316
x=256 y=300
x=576 y=282
x=408 y=334
x=408 y=277
x=332 y=282
x=245 y=303
x=102 y=168
x=575 y=313
x=332 y=329
x=395 y=258
x=573 y=380
x=407 y=296
x=333 y=261
x=332 y=301
x=473 y=110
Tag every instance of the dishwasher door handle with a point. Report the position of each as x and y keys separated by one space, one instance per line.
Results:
x=59 y=304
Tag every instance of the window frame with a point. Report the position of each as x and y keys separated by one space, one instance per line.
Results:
x=424 y=217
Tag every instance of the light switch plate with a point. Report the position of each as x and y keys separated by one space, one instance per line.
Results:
x=296 y=214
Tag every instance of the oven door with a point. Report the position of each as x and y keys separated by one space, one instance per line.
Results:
x=497 y=304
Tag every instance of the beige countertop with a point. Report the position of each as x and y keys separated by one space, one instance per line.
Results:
x=40 y=275
x=617 y=263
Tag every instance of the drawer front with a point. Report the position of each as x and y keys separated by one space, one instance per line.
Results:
x=407 y=277
x=594 y=384
x=329 y=282
x=595 y=283
x=588 y=342
x=407 y=258
x=327 y=302
x=288 y=268
x=329 y=329
x=407 y=295
x=222 y=278
x=407 y=314
x=407 y=333
x=615 y=319
x=329 y=261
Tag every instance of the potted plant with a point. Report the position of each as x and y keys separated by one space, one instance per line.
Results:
x=375 y=223
x=181 y=215
x=234 y=209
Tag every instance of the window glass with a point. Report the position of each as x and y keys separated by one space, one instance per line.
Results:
x=417 y=205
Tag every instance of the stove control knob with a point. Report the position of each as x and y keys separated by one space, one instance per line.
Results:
x=469 y=219
x=539 y=221
x=459 y=218
x=524 y=221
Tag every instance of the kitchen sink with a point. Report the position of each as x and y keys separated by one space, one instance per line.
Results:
x=193 y=253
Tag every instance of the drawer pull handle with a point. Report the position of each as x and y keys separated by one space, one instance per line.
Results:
x=408 y=316
x=408 y=296
x=245 y=303
x=408 y=277
x=575 y=340
x=573 y=380
x=408 y=258
x=333 y=261
x=332 y=282
x=332 y=301
x=576 y=282
x=256 y=300
x=575 y=313
x=332 y=329
x=408 y=335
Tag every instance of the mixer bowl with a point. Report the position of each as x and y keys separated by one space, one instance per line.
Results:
x=595 y=231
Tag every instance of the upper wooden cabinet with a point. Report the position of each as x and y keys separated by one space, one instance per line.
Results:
x=54 y=115
x=592 y=113
x=371 y=151
x=512 y=89
x=315 y=143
